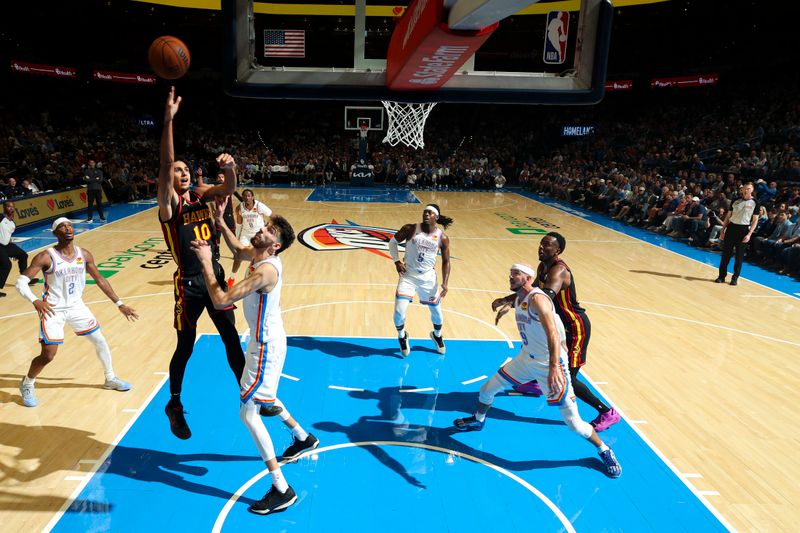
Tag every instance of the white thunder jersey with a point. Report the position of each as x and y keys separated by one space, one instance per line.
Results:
x=65 y=279
x=253 y=219
x=421 y=251
x=263 y=310
x=534 y=338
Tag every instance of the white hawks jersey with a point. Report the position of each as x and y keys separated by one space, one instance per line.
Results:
x=65 y=279
x=253 y=219
x=534 y=337
x=262 y=310
x=421 y=250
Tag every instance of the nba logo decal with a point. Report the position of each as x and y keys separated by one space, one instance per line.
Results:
x=555 y=37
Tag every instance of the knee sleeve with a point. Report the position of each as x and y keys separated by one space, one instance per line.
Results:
x=490 y=389
x=400 y=307
x=103 y=351
x=252 y=421
x=436 y=314
x=284 y=414
x=569 y=412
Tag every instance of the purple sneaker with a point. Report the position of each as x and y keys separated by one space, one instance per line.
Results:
x=531 y=387
x=605 y=420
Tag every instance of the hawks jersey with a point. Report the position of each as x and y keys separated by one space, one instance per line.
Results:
x=65 y=279
x=262 y=310
x=534 y=338
x=192 y=220
x=566 y=300
x=253 y=219
x=421 y=250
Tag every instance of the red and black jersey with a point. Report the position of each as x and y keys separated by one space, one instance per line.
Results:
x=566 y=300
x=192 y=220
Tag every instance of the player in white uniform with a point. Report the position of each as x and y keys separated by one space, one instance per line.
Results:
x=543 y=357
x=65 y=267
x=417 y=273
x=250 y=218
x=266 y=351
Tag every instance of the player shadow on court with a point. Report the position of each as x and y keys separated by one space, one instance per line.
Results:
x=11 y=381
x=709 y=279
x=144 y=465
x=342 y=349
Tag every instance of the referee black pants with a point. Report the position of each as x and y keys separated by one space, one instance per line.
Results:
x=7 y=252
x=95 y=197
x=734 y=234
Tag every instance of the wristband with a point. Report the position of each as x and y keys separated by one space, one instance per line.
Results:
x=118 y=303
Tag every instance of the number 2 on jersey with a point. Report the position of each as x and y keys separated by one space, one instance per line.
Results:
x=202 y=232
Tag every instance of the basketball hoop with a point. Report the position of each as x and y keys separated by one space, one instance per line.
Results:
x=364 y=129
x=406 y=123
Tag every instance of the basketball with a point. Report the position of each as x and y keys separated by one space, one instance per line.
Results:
x=169 y=57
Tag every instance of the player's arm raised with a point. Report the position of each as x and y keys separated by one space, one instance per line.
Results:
x=240 y=251
x=228 y=166
x=444 y=245
x=555 y=376
x=167 y=197
x=105 y=286
x=394 y=250
x=41 y=262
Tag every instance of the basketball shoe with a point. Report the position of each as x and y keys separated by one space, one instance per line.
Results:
x=28 y=394
x=117 y=384
x=177 y=422
x=274 y=501
x=613 y=468
x=605 y=420
x=404 y=344
x=440 y=347
x=531 y=387
x=469 y=423
x=298 y=447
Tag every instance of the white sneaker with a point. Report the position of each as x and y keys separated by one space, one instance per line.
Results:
x=116 y=384
x=440 y=347
x=28 y=395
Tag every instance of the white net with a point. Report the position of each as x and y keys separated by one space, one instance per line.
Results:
x=406 y=123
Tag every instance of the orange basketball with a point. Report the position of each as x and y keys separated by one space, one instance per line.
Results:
x=169 y=57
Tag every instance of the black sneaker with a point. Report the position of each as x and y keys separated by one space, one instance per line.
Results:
x=274 y=501
x=734 y=281
x=719 y=280
x=404 y=344
x=298 y=447
x=270 y=410
x=440 y=348
x=177 y=422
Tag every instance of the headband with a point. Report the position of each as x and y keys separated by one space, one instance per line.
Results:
x=525 y=269
x=57 y=222
x=431 y=208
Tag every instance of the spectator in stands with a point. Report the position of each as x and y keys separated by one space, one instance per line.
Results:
x=94 y=190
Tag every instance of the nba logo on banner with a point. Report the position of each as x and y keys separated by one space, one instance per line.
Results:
x=555 y=37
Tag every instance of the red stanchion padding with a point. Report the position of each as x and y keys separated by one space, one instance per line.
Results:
x=424 y=52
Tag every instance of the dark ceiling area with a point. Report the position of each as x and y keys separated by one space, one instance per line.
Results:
x=669 y=38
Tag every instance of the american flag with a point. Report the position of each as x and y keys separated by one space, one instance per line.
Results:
x=284 y=43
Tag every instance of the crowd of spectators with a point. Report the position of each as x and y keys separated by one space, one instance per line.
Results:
x=669 y=163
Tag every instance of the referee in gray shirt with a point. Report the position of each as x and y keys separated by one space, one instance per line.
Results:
x=94 y=190
x=740 y=222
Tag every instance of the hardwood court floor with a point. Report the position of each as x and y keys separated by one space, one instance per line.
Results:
x=705 y=371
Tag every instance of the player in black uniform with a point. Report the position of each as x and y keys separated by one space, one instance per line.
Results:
x=554 y=277
x=185 y=216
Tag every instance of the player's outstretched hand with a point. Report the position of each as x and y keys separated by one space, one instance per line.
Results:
x=173 y=103
x=220 y=203
x=502 y=311
x=201 y=249
x=555 y=382
x=129 y=312
x=226 y=161
x=442 y=291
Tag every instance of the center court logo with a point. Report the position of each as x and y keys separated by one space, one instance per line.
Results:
x=350 y=236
